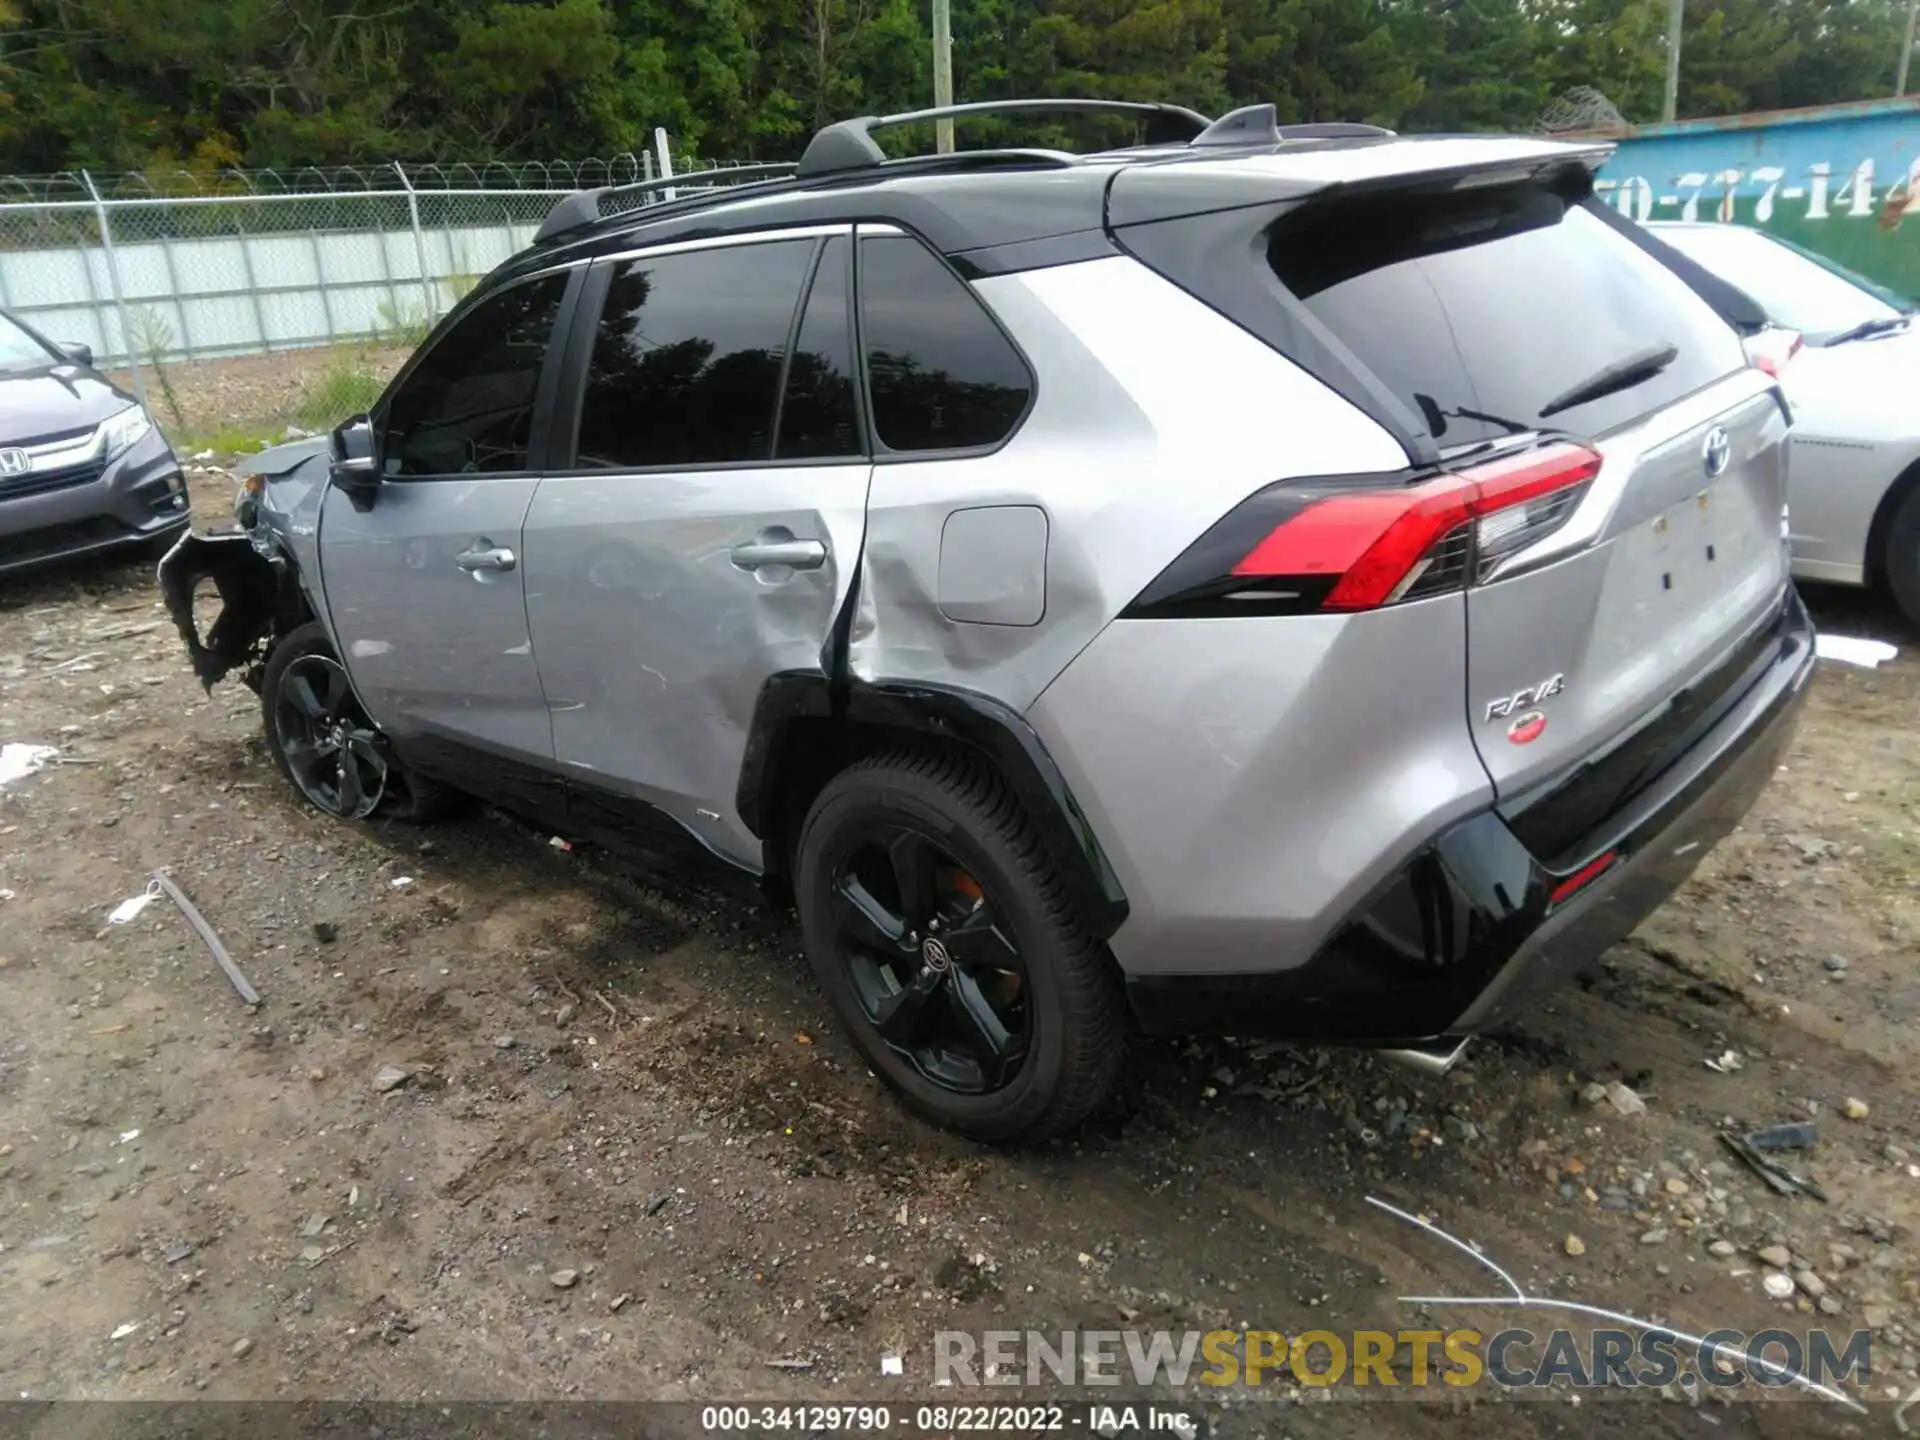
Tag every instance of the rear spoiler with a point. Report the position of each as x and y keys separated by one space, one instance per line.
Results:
x=1193 y=183
x=1730 y=303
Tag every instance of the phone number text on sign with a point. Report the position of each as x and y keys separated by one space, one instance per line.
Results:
x=1823 y=196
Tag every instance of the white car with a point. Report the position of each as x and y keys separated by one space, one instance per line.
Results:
x=1848 y=357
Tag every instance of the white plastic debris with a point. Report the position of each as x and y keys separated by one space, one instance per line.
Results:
x=121 y=1331
x=127 y=1137
x=1851 y=650
x=401 y=882
x=18 y=760
x=130 y=908
x=1727 y=1062
x=892 y=1365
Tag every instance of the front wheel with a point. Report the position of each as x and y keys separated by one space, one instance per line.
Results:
x=324 y=743
x=941 y=932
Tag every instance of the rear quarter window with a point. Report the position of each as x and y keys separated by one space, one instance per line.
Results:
x=1479 y=308
x=942 y=374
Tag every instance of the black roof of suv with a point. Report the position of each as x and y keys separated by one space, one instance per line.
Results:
x=989 y=211
x=994 y=212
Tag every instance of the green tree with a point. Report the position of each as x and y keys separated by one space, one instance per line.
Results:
x=1486 y=70
x=203 y=84
x=1616 y=46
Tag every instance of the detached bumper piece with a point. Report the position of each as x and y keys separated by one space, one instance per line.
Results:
x=1477 y=924
x=252 y=595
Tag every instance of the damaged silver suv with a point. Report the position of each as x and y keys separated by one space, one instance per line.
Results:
x=1285 y=581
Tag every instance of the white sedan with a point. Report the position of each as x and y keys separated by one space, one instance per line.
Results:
x=1848 y=357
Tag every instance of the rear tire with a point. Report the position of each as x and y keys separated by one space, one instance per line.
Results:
x=1017 y=1030
x=1900 y=559
x=323 y=743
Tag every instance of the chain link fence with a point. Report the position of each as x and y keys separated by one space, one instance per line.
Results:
x=157 y=267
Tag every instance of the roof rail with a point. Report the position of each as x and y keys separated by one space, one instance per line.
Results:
x=1260 y=125
x=584 y=208
x=849 y=144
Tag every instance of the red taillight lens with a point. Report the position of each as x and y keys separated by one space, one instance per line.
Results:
x=1387 y=545
x=1772 y=358
x=1579 y=880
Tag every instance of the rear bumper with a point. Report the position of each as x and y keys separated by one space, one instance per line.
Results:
x=1465 y=934
x=138 y=496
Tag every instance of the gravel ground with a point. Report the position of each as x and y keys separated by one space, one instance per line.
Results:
x=630 y=1157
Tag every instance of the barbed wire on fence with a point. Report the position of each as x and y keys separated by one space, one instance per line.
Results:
x=1581 y=108
x=145 y=274
x=170 y=182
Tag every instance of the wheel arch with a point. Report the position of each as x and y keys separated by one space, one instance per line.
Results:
x=805 y=730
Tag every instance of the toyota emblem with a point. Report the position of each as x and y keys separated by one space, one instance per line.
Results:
x=935 y=954
x=1715 y=454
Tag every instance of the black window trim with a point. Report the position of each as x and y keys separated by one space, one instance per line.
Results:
x=882 y=453
x=794 y=322
x=571 y=392
x=545 y=389
x=850 y=314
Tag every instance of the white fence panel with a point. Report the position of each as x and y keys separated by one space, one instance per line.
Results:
x=200 y=275
x=261 y=280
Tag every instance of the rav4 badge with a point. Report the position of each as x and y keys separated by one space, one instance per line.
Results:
x=1526 y=699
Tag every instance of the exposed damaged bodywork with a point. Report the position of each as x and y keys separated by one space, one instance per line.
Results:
x=259 y=600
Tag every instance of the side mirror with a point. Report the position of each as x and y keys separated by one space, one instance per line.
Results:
x=354 y=465
x=76 y=352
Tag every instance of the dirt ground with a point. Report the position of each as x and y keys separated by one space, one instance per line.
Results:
x=248 y=395
x=633 y=1159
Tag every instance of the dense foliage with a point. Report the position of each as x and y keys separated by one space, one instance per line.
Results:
x=128 y=83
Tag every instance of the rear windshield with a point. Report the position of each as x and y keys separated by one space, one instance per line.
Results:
x=1489 y=311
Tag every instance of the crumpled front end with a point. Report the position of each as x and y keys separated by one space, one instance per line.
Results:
x=254 y=570
x=258 y=598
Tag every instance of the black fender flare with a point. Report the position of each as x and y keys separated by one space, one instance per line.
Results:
x=793 y=703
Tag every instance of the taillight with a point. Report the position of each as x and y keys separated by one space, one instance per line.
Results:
x=1341 y=545
x=1773 y=359
x=1573 y=884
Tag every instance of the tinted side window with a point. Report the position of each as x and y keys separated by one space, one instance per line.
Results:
x=467 y=408
x=818 y=414
x=943 y=375
x=686 y=364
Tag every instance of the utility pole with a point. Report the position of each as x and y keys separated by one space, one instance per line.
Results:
x=943 y=71
x=1906 y=50
x=1676 y=12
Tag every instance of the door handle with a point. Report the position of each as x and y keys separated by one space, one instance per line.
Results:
x=795 y=554
x=493 y=557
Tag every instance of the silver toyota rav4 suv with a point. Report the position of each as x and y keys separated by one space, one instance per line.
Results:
x=1297 y=582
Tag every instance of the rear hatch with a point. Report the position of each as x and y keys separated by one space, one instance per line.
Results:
x=1624 y=558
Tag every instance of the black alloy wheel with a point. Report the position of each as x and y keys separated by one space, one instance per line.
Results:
x=331 y=749
x=933 y=967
